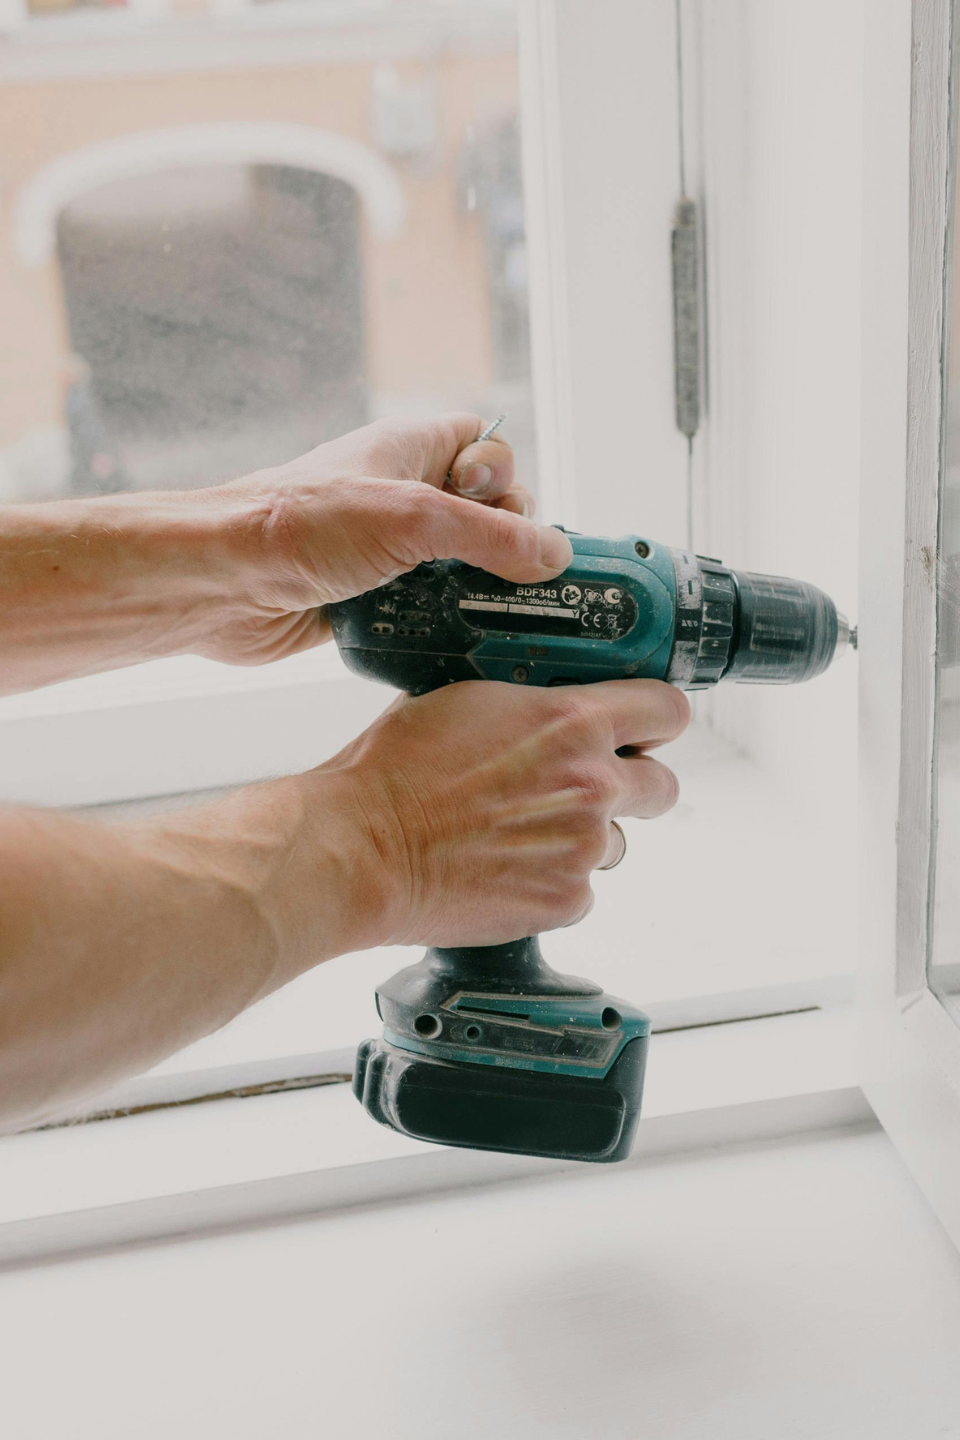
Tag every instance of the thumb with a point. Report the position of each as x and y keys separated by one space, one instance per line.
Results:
x=497 y=540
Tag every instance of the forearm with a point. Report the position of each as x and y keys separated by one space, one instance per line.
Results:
x=121 y=944
x=89 y=585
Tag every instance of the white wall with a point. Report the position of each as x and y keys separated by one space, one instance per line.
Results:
x=602 y=179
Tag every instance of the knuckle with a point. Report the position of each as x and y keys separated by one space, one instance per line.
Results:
x=515 y=538
x=593 y=784
x=579 y=719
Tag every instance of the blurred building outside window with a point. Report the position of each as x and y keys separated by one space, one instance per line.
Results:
x=183 y=320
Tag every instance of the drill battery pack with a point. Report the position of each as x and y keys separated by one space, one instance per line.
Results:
x=490 y=1048
x=518 y=1111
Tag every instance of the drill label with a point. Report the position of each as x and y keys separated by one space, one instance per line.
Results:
x=601 y=612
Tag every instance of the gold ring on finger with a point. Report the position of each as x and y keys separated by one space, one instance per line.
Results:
x=612 y=864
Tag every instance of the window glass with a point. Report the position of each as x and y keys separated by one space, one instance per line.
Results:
x=291 y=220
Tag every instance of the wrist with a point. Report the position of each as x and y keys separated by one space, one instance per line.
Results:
x=293 y=864
x=338 y=894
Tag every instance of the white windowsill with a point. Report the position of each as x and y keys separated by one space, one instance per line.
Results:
x=244 y=1161
x=179 y=725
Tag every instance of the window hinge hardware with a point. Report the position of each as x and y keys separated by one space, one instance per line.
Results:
x=685 y=251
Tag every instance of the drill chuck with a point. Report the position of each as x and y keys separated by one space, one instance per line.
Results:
x=754 y=629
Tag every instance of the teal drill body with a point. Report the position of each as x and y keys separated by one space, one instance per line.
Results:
x=627 y=608
x=612 y=614
x=488 y=1047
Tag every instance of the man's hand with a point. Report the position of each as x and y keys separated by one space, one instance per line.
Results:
x=489 y=805
x=241 y=572
x=466 y=817
x=361 y=510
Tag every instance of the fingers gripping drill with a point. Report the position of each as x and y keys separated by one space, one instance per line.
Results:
x=488 y=1047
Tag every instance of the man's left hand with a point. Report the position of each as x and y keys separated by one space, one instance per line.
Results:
x=361 y=510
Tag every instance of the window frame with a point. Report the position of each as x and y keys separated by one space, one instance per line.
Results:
x=910 y=1045
x=579 y=281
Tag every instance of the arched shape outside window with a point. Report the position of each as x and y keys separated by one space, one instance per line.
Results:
x=303 y=147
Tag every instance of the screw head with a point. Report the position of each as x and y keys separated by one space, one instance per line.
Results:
x=642 y=549
x=520 y=673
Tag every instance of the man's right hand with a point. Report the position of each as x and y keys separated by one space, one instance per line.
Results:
x=487 y=806
x=467 y=817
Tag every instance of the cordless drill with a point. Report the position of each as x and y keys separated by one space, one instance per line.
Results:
x=487 y=1046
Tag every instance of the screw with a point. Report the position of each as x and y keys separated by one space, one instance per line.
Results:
x=485 y=434
x=642 y=549
x=520 y=673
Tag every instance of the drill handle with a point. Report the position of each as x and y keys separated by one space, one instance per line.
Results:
x=517 y=968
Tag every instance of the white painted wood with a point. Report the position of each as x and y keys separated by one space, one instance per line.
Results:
x=773 y=158
x=426 y=1170
x=599 y=106
x=178 y=725
x=543 y=185
x=241 y=1161
x=774 y=1292
x=911 y=1059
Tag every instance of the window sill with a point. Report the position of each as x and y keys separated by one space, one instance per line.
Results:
x=247 y=1161
x=198 y=724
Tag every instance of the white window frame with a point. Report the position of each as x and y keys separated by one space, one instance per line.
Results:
x=614 y=419
x=911 y=1047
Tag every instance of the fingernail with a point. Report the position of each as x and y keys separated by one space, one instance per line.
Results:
x=556 y=551
x=475 y=480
